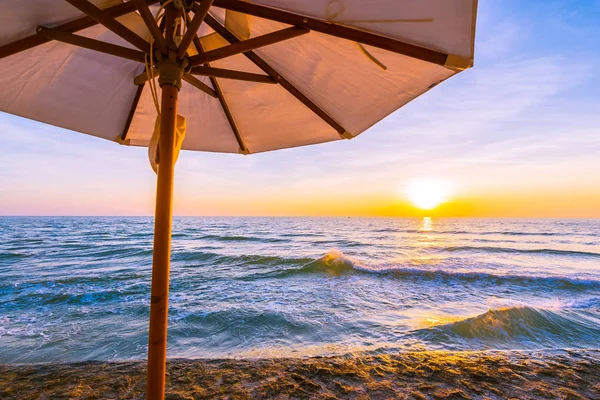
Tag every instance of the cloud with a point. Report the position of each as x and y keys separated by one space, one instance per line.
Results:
x=499 y=42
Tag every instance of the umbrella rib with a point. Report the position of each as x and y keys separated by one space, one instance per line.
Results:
x=169 y=17
x=221 y=97
x=192 y=80
x=260 y=63
x=230 y=74
x=246 y=45
x=333 y=29
x=134 y=105
x=92 y=44
x=35 y=40
x=200 y=11
x=110 y=23
x=146 y=14
x=214 y=73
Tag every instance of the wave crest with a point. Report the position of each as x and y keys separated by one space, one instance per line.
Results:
x=335 y=263
x=515 y=327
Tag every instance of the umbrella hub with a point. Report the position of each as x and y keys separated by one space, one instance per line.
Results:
x=171 y=70
x=186 y=5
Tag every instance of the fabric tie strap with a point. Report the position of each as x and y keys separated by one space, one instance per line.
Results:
x=153 y=154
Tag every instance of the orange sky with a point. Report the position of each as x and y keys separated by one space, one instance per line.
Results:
x=539 y=205
x=557 y=191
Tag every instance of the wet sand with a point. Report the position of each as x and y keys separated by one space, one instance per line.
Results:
x=416 y=375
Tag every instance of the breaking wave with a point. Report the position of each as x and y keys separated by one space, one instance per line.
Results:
x=335 y=263
x=518 y=327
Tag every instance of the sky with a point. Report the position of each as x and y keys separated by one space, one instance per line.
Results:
x=516 y=136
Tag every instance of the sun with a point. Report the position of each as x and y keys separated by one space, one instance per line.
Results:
x=427 y=194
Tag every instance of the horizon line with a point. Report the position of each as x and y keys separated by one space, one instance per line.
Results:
x=291 y=216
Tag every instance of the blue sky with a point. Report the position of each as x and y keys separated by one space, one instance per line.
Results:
x=522 y=125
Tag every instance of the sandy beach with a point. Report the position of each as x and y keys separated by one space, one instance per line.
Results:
x=416 y=375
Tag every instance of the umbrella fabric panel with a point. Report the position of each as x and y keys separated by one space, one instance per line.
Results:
x=207 y=126
x=72 y=87
x=19 y=18
x=267 y=116
x=445 y=25
x=348 y=85
x=270 y=118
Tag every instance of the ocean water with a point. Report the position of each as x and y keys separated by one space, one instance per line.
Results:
x=76 y=289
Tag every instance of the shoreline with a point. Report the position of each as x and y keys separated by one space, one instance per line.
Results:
x=569 y=374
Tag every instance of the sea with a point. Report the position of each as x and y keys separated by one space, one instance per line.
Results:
x=78 y=288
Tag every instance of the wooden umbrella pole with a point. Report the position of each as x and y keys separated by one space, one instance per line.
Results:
x=159 y=300
x=170 y=82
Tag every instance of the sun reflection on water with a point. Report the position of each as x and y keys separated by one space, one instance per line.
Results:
x=426 y=224
x=423 y=245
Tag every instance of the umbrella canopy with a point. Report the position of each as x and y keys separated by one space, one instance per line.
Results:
x=247 y=76
x=317 y=84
